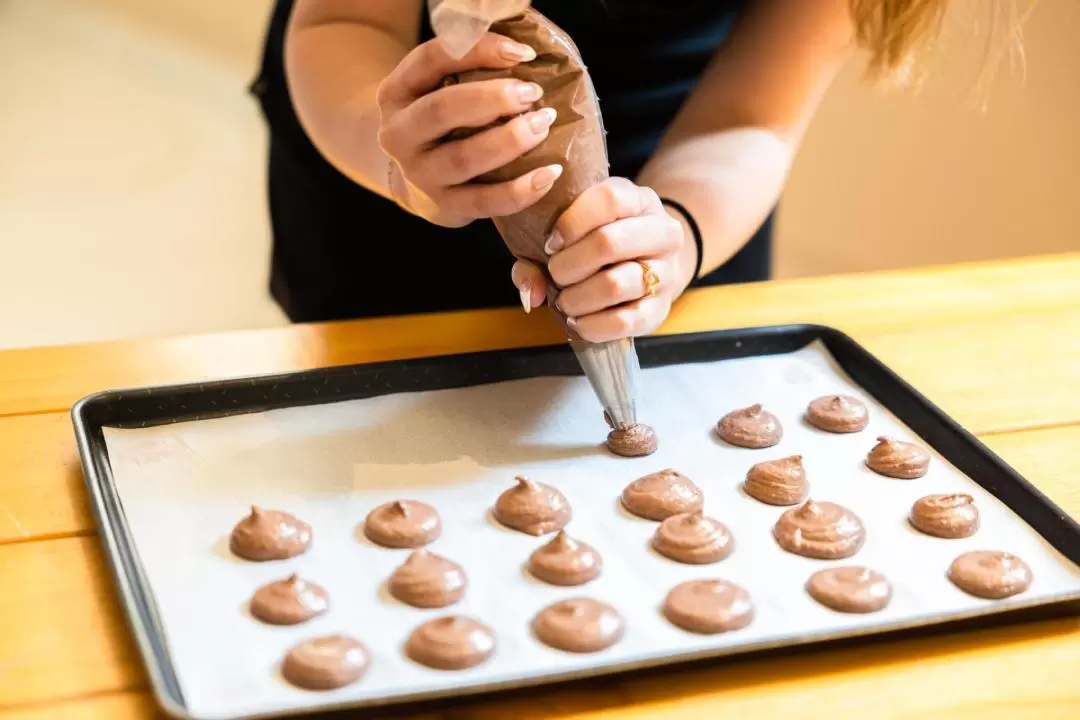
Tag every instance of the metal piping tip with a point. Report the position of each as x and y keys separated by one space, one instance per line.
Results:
x=612 y=369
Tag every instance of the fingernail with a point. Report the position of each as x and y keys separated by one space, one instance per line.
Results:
x=526 y=297
x=541 y=120
x=545 y=177
x=554 y=243
x=511 y=50
x=572 y=323
x=529 y=92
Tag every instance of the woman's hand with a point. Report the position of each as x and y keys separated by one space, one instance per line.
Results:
x=602 y=251
x=431 y=178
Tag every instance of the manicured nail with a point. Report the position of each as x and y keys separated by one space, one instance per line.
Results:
x=517 y=52
x=529 y=92
x=545 y=177
x=541 y=120
x=526 y=297
x=572 y=323
x=554 y=243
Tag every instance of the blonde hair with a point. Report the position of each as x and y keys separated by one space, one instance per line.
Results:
x=901 y=35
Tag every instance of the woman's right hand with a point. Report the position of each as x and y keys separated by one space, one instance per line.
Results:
x=432 y=178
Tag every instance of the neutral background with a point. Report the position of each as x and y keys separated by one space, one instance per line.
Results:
x=132 y=166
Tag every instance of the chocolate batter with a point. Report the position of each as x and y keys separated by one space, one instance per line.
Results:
x=579 y=625
x=990 y=574
x=694 y=539
x=752 y=427
x=326 y=663
x=289 y=602
x=822 y=530
x=659 y=495
x=269 y=535
x=565 y=561
x=896 y=459
x=533 y=508
x=454 y=642
x=838 y=414
x=403 y=524
x=945 y=516
x=427 y=580
x=708 y=606
x=850 y=589
x=633 y=440
x=778 y=482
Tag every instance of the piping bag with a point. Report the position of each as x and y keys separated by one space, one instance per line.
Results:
x=576 y=141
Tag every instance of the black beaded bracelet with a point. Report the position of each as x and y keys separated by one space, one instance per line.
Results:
x=694 y=230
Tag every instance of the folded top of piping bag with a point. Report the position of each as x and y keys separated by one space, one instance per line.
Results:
x=459 y=24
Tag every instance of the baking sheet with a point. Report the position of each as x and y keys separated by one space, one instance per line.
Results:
x=184 y=486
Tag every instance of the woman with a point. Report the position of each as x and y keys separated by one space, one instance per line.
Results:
x=704 y=102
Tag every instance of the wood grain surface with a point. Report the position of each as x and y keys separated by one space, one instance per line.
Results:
x=995 y=345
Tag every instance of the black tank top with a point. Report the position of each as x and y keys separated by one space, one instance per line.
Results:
x=340 y=251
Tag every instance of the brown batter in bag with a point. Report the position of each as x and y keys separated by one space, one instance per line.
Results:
x=576 y=140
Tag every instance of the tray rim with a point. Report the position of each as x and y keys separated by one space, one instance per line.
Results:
x=142 y=616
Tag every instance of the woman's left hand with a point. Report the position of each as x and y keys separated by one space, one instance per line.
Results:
x=618 y=259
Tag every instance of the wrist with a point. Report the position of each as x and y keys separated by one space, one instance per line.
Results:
x=687 y=260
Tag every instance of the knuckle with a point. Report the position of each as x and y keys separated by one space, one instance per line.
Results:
x=607 y=243
x=611 y=284
x=457 y=158
x=625 y=322
x=438 y=108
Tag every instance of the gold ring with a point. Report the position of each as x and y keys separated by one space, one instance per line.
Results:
x=649 y=278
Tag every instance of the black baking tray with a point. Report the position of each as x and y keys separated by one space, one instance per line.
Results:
x=179 y=403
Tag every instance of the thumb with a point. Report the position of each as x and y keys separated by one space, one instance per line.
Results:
x=529 y=280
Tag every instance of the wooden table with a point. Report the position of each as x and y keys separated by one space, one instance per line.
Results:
x=996 y=345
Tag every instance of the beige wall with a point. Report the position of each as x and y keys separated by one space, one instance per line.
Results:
x=132 y=167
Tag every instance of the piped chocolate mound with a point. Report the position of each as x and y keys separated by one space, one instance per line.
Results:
x=694 y=539
x=533 y=508
x=427 y=580
x=565 y=561
x=289 y=602
x=838 y=414
x=633 y=440
x=778 y=482
x=326 y=663
x=579 y=625
x=990 y=574
x=659 y=495
x=269 y=535
x=850 y=589
x=708 y=606
x=403 y=524
x=822 y=530
x=454 y=642
x=897 y=459
x=752 y=427
x=945 y=516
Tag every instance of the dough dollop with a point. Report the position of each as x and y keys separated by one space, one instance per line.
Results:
x=708 y=606
x=945 y=516
x=269 y=535
x=659 y=495
x=822 y=530
x=579 y=625
x=454 y=642
x=850 y=589
x=838 y=414
x=778 y=482
x=533 y=508
x=694 y=539
x=633 y=440
x=289 y=602
x=752 y=427
x=565 y=561
x=897 y=459
x=326 y=663
x=427 y=580
x=403 y=524
x=990 y=574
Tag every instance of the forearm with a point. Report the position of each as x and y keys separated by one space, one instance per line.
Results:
x=333 y=70
x=728 y=180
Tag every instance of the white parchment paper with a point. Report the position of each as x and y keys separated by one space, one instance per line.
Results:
x=184 y=486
